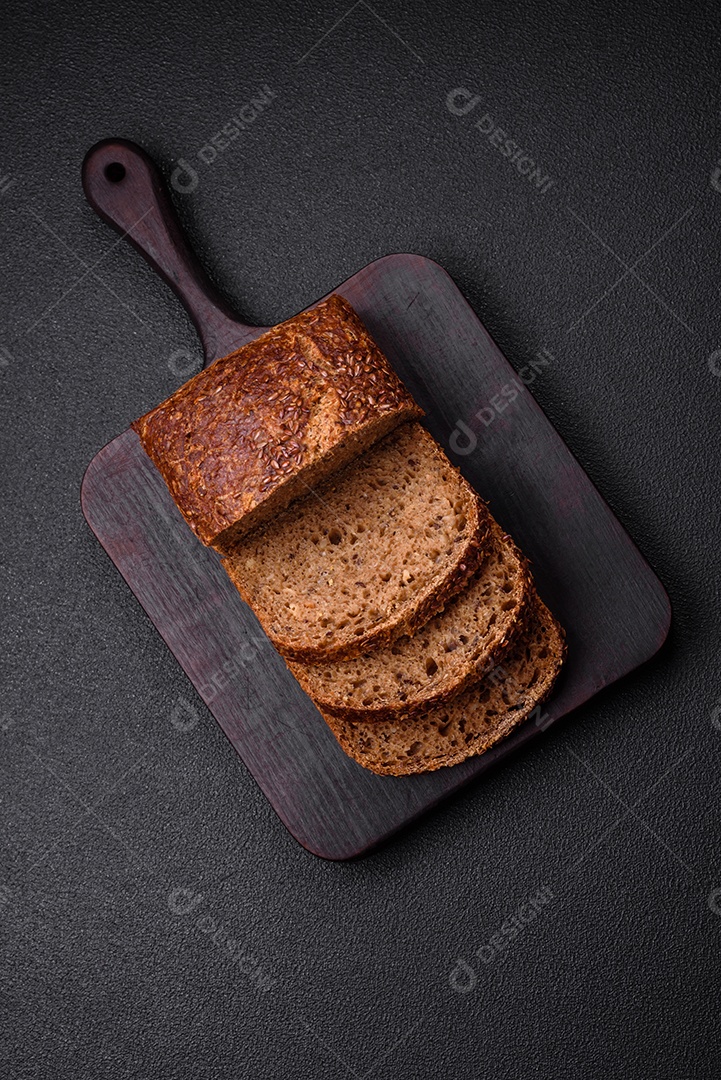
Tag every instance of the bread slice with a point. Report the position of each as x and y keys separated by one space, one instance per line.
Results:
x=372 y=554
x=242 y=439
x=470 y=723
x=447 y=654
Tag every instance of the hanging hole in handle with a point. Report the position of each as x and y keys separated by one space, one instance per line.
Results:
x=115 y=172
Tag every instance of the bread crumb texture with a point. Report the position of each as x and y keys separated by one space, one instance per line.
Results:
x=452 y=650
x=371 y=554
x=474 y=720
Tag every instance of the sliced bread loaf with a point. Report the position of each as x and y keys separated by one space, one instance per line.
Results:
x=371 y=554
x=447 y=654
x=256 y=429
x=470 y=723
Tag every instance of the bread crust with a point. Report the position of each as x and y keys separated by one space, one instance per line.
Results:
x=243 y=438
x=347 y=732
x=442 y=693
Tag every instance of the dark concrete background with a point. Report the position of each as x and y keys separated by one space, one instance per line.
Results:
x=108 y=809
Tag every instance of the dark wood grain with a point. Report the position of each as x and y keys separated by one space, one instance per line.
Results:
x=615 y=611
x=124 y=186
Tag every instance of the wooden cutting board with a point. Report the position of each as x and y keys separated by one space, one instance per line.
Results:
x=615 y=610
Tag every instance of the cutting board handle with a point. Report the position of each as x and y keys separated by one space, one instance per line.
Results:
x=124 y=186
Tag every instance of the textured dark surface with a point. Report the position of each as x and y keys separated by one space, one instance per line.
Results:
x=118 y=789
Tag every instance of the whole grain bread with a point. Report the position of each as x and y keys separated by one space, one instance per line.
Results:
x=449 y=653
x=255 y=430
x=370 y=555
x=474 y=720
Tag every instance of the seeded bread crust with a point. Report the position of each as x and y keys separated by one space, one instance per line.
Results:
x=472 y=633
x=474 y=721
x=257 y=556
x=243 y=438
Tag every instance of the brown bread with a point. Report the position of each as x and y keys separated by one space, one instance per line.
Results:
x=373 y=554
x=243 y=438
x=474 y=720
x=447 y=654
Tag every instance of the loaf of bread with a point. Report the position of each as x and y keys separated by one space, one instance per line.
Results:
x=473 y=721
x=402 y=608
x=472 y=633
x=261 y=427
x=371 y=554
